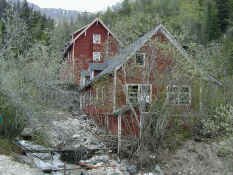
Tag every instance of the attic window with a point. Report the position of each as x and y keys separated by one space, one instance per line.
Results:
x=96 y=38
x=96 y=56
x=140 y=59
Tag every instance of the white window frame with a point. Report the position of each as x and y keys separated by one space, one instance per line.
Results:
x=144 y=58
x=178 y=94
x=96 y=38
x=138 y=91
x=96 y=56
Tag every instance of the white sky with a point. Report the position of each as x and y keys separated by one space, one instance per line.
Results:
x=80 y=5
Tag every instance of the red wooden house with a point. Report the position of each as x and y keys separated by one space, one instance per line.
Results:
x=92 y=43
x=120 y=96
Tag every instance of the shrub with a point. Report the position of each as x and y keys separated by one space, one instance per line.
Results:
x=12 y=119
x=220 y=123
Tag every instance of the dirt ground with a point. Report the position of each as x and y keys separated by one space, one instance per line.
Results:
x=199 y=158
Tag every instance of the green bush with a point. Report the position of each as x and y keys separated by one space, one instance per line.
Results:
x=12 y=120
x=220 y=123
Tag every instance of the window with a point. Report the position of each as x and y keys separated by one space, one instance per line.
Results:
x=185 y=95
x=140 y=59
x=145 y=94
x=96 y=56
x=96 y=38
x=179 y=95
x=133 y=93
x=139 y=93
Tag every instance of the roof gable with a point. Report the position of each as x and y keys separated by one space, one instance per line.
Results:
x=85 y=28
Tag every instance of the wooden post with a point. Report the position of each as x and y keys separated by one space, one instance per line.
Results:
x=200 y=96
x=141 y=125
x=73 y=63
x=106 y=122
x=114 y=89
x=119 y=135
x=64 y=168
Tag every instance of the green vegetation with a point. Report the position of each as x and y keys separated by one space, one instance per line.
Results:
x=8 y=147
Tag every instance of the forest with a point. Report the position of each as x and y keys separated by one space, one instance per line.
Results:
x=32 y=46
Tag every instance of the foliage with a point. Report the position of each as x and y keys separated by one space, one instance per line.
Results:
x=7 y=147
x=12 y=121
x=220 y=123
x=29 y=69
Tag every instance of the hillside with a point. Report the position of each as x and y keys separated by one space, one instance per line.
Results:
x=59 y=15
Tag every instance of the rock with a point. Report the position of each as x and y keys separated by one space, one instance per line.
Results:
x=27 y=133
x=11 y=167
x=132 y=169
x=23 y=159
x=41 y=157
x=158 y=170
x=74 y=156
x=104 y=165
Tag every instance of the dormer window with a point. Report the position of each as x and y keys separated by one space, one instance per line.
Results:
x=96 y=56
x=96 y=38
x=140 y=59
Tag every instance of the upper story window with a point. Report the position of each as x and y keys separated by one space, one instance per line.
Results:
x=140 y=58
x=179 y=95
x=96 y=56
x=96 y=38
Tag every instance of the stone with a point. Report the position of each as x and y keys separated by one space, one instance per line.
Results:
x=132 y=169
x=27 y=133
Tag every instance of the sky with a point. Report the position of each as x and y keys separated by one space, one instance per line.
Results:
x=80 y=5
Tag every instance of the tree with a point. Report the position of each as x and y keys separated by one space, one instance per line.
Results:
x=211 y=25
x=224 y=9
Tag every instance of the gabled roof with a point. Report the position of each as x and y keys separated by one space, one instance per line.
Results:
x=89 y=25
x=118 y=60
x=85 y=28
x=79 y=30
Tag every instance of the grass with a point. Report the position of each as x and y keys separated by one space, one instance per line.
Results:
x=7 y=147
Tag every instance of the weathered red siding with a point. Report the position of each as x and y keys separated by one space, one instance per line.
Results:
x=83 y=48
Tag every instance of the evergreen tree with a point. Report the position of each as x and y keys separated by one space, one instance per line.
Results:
x=211 y=26
x=224 y=10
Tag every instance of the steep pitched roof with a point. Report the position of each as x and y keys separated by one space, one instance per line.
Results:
x=118 y=60
x=85 y=28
